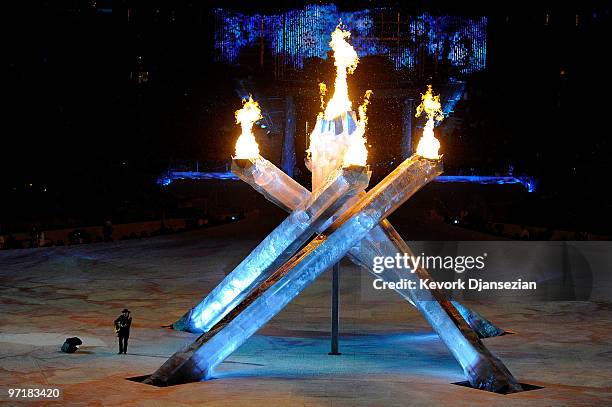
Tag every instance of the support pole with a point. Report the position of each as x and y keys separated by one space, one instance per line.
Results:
x=288 y=157
x=335 y=309
x=407 y=113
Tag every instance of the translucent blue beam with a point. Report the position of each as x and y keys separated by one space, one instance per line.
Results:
x=286 y=193
x=277 y=247
x=196 y=361
x=482 y=326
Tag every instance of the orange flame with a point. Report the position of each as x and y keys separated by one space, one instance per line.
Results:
x=246 y=145
x=322 y=92
x=345 y=60
x=428 y=145
x=357 y=152
x=328 y=150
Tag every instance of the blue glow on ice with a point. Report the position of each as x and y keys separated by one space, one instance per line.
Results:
x=483 y=327
x=393 y=353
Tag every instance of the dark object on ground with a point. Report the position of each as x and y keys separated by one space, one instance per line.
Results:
x=71 y=345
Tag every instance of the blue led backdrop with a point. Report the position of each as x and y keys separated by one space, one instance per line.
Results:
x=408 y=40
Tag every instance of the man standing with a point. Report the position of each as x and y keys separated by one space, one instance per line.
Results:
x=122 y=328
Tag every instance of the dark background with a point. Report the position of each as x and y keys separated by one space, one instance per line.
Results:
x=83 y=140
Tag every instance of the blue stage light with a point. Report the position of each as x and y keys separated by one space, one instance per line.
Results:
x=530 y=183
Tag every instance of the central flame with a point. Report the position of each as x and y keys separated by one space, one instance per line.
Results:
x=345 y=61
x=246 y=146
x=344 y=149
x=428 y=145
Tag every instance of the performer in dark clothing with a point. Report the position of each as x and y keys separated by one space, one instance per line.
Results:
x=122 y=328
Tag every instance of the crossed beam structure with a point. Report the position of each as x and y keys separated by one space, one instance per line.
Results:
x=347 y=220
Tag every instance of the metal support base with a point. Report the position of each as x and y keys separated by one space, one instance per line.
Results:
x=335 y=309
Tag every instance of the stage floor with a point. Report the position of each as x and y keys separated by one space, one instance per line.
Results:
x=389 y=357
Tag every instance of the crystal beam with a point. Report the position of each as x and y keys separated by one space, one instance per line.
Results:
x=197 y=360
x=285 y=192
x=279 y=245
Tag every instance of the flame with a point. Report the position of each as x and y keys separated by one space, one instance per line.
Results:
x=428 y=145
x=322 y=92
x=328 y=150
x=345 y=60
x=357 y=152
x=246 y=146
x=364 y=107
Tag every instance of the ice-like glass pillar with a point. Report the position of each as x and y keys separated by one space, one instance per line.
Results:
x=483 y=327
x=197 y=360
x=284 y=191
x=271 y=182
x=278 y=246
x=483 y=370
x=383 y=240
